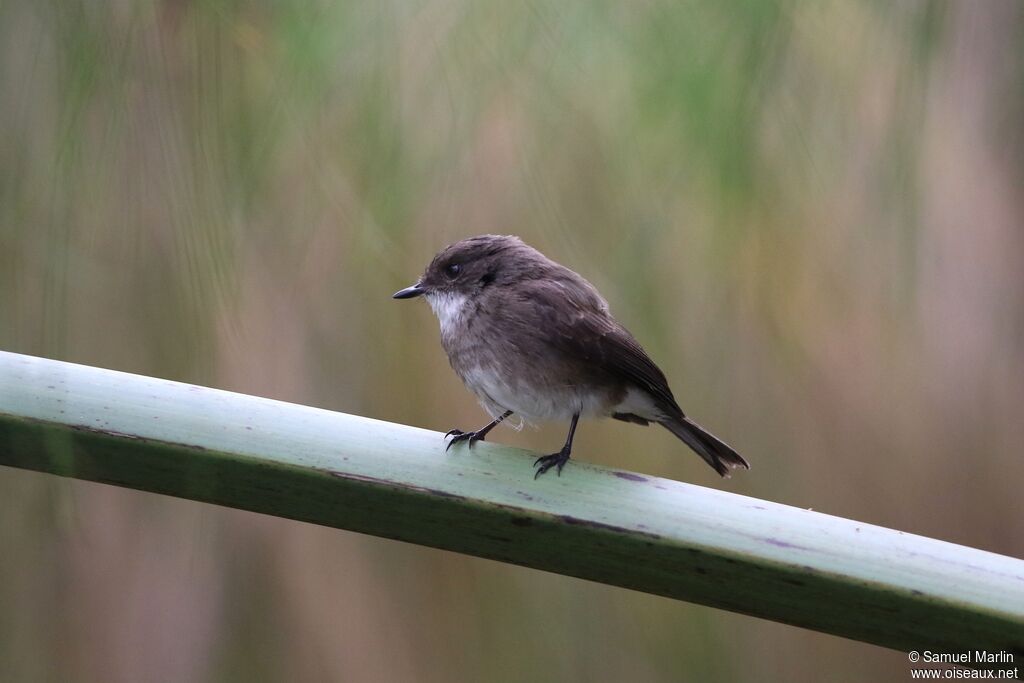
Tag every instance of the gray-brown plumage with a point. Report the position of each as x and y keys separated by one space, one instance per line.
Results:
x=531 y=337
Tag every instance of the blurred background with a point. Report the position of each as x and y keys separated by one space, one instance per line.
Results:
x=810 y=214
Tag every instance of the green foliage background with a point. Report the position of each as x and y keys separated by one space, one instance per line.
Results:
x=810 y=213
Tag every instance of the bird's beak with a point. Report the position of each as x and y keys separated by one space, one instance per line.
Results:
x=409 y=292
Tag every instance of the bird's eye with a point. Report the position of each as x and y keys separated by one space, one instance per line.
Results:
x=452 y=270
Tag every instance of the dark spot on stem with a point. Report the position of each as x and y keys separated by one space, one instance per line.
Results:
x=501 y=539
x=576 y=521
x=785 y=544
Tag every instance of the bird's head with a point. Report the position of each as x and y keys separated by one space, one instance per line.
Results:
x=466 y=268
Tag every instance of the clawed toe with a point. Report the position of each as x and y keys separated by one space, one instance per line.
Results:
x=546 y=462
x=459 y=435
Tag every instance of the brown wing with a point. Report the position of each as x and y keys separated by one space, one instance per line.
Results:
x=611 y=346
x=580 y=325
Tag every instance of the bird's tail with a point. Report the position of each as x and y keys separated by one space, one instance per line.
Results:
x=715 y=452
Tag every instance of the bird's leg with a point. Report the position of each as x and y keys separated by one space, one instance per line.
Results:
x=546 y=462
x=459 y=435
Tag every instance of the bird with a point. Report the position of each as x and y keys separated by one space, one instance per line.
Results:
x=531 y=337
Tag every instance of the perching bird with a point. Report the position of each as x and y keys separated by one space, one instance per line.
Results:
x=531 y=337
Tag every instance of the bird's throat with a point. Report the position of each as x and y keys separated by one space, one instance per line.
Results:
x=450 y=309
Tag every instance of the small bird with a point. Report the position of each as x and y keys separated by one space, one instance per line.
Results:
x=532 y=337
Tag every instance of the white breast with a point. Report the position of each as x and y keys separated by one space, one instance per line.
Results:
x=534 y=397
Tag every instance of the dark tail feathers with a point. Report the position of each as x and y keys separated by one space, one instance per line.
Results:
x=715 y=452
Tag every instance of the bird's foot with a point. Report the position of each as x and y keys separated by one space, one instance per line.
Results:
x=459 y=435
x=546 y=462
